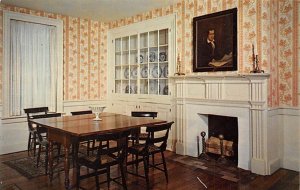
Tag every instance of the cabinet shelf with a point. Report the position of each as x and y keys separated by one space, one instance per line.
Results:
x=153 y=47
x=141 y=71
x=163 y=45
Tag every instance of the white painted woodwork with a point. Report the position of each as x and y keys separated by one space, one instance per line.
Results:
x=235 y=95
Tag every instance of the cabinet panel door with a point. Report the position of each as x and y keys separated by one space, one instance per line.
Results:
x=146 y=107
x=131 y=106
x=117 y=107
x=164 y=113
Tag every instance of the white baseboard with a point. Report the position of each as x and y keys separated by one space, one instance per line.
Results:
x=274 y=165
x=291 y=164
x=258 y=166
x=289 y=127
x=180 y=148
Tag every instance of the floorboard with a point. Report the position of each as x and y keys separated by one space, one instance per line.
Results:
x=180 y=177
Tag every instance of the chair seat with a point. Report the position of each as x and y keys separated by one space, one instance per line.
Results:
x=143 y=136
x=140 y=149
x=92 y=160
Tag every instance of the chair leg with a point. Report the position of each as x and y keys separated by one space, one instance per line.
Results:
x=34 y=145
x=137 y=163
x=108 y=176
x=88 y=148
x=123 y=177
x=165 y=166
x=146 y=168
x=29 y=143
x=38 y=156
x=46 y=159
x=97 y=179
x=77 y=176
x=58 y=153
x=93 y=146
x=153 y=159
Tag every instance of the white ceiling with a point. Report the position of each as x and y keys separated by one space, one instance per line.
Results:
x=102 y=10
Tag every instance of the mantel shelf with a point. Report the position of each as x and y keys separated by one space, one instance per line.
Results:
x=221 y=76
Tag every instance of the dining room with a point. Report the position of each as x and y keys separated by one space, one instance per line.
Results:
x=116 y=94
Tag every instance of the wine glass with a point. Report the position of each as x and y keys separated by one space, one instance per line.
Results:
x=97 y=109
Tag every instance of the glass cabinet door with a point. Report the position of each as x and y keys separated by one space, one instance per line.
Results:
x=141 y=63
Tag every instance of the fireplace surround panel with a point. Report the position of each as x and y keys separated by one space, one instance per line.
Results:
x=233 y=95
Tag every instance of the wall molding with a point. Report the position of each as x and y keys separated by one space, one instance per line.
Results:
x=285 y=125
x=68 y=106
x=292 y=111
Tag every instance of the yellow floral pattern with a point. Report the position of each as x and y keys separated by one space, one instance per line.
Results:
x=269 y=25
x=272 y=26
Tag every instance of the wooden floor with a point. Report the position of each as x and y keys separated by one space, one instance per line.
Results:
x=180 y=177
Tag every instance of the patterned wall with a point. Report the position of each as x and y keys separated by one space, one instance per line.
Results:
x=298 y=44
x=272 y=26
x=84 y=55
x=268 y=24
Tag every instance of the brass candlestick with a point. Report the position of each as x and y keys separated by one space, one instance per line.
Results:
x=178 y=66
x=255 y=66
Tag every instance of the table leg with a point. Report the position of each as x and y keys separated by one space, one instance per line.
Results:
x=75 y=158
x=50 y=161
x=67 y=166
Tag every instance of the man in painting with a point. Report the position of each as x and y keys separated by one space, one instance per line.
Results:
x=210 y=54
x=209 y=49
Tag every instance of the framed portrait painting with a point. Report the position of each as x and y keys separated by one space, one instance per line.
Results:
x=215 y=42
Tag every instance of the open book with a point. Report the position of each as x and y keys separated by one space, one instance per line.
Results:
x=227 y=58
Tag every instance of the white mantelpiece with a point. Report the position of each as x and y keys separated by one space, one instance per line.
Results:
x=235 y=95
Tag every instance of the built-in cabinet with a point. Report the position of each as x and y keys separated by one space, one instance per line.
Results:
x=141 y=57
x=141 y=63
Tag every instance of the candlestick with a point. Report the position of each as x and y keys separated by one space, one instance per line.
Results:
x=178 y=67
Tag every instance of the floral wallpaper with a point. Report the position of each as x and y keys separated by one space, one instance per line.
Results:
x=84 y=55
x=272 y=27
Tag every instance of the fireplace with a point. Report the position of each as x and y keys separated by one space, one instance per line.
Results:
x=226 y=126
x=243 y=97
x=197 y=121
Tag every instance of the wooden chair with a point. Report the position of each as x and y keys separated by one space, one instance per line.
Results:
x=105 y=158
x=144 y=114
x=142 y=136
x=42 y=140
x=137 y=135
x=32 y=138
x=81 y=112
x=90 y=144
x=151 y=147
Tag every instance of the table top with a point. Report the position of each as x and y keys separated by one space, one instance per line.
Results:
x=82 y=125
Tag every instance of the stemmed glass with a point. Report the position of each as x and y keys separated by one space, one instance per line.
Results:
x=97 y=110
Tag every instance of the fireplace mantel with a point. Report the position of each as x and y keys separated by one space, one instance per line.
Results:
x=216 y=75
x=239 y=95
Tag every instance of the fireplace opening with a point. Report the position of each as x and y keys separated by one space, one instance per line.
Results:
x=228 y=127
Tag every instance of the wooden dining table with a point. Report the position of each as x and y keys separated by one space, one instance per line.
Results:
x=68 y=130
